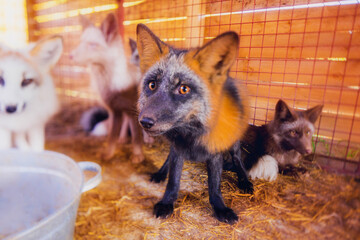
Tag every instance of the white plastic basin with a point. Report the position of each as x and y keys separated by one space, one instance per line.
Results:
x=40 y=193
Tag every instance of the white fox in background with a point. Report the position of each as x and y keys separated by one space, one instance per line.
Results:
x=115 y=79
x=27 y=93
x=94 y=120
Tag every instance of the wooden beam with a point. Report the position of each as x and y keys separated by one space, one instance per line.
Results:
x=32 y=24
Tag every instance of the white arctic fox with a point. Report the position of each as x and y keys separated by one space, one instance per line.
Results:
x=27 y=93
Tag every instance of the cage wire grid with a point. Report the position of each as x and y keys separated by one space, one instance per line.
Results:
x=304 y=52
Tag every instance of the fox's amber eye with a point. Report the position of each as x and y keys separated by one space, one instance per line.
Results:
x=292 y=133
x=307 y=133
x=184 y=89
x=152 y=85
x=26 y=82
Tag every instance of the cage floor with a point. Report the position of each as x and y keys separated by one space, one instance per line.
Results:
x=314 y=205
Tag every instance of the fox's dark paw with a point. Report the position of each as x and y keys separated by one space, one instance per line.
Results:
x=226 y=215
x=246 y=186
x=157 y=177
x=163 y=210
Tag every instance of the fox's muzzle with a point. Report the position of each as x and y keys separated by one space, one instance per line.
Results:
x=146 y=122
x=155 y=122
x=11 y=108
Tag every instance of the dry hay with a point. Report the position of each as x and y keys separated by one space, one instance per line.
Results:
x=314 y=205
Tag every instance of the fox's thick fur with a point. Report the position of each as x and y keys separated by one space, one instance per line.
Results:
x=188 y=96
x=27 y=93
x=272 y=147
x=115 y=79
x=94 y=120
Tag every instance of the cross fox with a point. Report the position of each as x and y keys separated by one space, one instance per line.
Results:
x=115 y=79
x=189 y=97
x=272 y=147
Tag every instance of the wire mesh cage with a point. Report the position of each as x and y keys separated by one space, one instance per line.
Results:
x=305 y=52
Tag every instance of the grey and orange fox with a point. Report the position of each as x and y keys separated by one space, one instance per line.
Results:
x=188 y=96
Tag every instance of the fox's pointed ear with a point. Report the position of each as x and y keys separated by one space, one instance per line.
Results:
x=85 y=22
x=313 y=113
x=283 y=112
x=109 y=27
x=218 y=55
x=149 y=46
x=47 y=51
x=133 y=45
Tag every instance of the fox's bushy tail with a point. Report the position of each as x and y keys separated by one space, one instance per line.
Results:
x=92 y=117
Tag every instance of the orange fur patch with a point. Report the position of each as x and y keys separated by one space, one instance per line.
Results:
x=226 y=123
x=151 y=49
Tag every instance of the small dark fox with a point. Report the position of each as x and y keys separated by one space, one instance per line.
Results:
x=188 y=96
x=272 y=147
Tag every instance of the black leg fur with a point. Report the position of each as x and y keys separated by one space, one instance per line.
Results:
x=243 y=181
x=165 y=207
x=160 y=175
x=222 y=213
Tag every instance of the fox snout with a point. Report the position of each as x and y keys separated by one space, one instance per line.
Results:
x=147 y=122
x=73 y=54
x=79 y=55
x=11 y=108
x=305 y=151
x=308 y=150
x=304 y=147
x=156 y=121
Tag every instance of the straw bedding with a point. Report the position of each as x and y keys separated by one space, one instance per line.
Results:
x=312 y=205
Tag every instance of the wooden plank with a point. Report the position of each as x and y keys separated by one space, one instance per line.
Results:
x=32 y=25
x=74 y=5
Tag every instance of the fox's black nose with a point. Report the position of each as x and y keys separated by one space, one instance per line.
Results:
x=308 y=150
x=147 y=123
x=11 y=109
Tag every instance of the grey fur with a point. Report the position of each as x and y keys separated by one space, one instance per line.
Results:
x=170 y=66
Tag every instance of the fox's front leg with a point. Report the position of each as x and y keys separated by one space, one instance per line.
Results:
x=36 y=137
x=136 y=140
x=160 y=175
x=115 y=118
x=5 y=139
x=21 y=142
x=238 y=166
x=165 y=207
x=125 y=126
x=222 y=213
